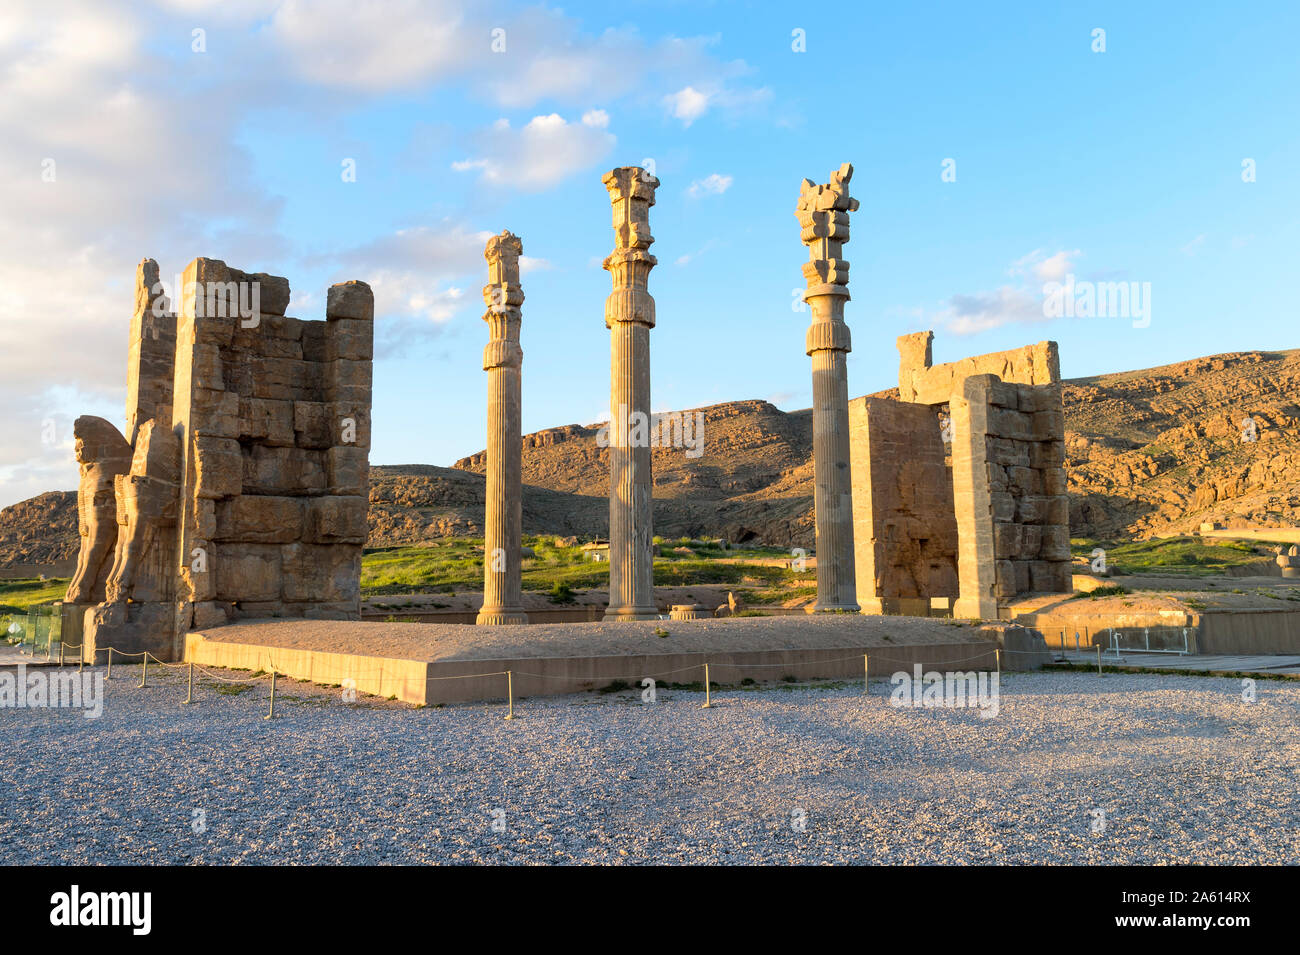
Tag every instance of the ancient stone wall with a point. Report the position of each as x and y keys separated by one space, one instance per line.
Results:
x=919 y=380
x=242 y=491
x=1009 y=490
x=274 y=419
x=904 y=526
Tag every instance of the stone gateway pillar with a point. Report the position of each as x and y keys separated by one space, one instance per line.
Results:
x=629 y=316
x=502 y=360
x=823 y=214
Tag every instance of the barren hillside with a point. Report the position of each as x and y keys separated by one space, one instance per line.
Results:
x=1149 y=452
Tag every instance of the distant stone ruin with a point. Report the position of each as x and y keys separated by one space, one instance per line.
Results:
x=242 y=490
x=959 y=486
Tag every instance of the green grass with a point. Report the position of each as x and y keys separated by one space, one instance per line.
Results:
x=456 y=564
x=1175 y=555
x=20 y=594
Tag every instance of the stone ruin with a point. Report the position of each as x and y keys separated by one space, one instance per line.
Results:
x=959 y=485
x=240 y=490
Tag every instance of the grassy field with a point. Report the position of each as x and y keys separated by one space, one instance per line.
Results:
x=1174 y=555
x=456 y=565
x=16 y=595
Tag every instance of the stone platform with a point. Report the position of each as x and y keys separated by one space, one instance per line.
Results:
x=448 y=663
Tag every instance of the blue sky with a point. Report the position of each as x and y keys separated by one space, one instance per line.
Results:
x=1122 y=165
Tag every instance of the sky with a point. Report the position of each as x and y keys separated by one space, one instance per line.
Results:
x=997 y=149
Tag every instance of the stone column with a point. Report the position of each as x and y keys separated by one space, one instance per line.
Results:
x=629 y=316
x=823 y=214
x=502 y=359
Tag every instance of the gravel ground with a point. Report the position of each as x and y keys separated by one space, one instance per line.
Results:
x=1182 y=768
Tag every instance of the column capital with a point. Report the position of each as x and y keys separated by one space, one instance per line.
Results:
x=823 y=214
x=503 y=291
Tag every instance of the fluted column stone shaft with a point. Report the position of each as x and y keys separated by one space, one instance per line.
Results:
x=629 y=316
x=503 y=360
x=823 y=214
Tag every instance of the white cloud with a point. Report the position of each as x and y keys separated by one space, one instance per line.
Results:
x=1020 y=302
x=543 y=152
x=687 y=104
x=711 y=185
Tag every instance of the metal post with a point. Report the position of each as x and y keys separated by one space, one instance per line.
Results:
x=144 y=672
x=81 y=658
x=60 y=653
x=1099 y=659
x=708 y=701
x=510 y=693
x=110 y=664
x=190 y=698
x=866 y=676
x=998 y=652
x=271 y=714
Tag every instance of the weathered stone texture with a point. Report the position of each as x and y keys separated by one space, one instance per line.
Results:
x=245 y=491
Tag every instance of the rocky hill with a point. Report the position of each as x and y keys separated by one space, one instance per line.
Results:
x=1150 y=452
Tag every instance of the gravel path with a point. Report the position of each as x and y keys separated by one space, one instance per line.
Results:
x=1182 y=768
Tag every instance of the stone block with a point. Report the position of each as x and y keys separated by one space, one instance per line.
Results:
x=1006 y=541
x=1044 y=577
x=349 y=339
x=1024 y=480
x=1005 y=395
x=209 y=614
x=272 y=293
x=1049 y=425
x=1047 y=454
x=206 y=371
x=314 y=341
x=336 y=520
x=247 y=572
x=322 y=573
x=352 y=300
x=1058 y=510
x=1054 y=481
x=283 y=379
x=1004 y=579
x=290 y=472
x=1003 y=506
x=215 y=412
x=312 y=424
x=1031 y=509
x=267 y=421
x=1007 y=452
x=348 y=381
x=218 y=466
x=348 y=471
x=260 y=519
x=1056 y=542
x=1031 y=540
x=1022 y=576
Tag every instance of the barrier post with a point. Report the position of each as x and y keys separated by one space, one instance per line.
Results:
x=1099 y=659
x=190 y=697
x=510 y=694
x=144 y=672
x=998 y=652
x=866 y=676
x=110 y=664
x=271 y=714
x=708 y=701
x=81 y=658
x=60 y=653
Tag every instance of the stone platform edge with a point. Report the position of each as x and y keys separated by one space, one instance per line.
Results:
x=469 y=681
